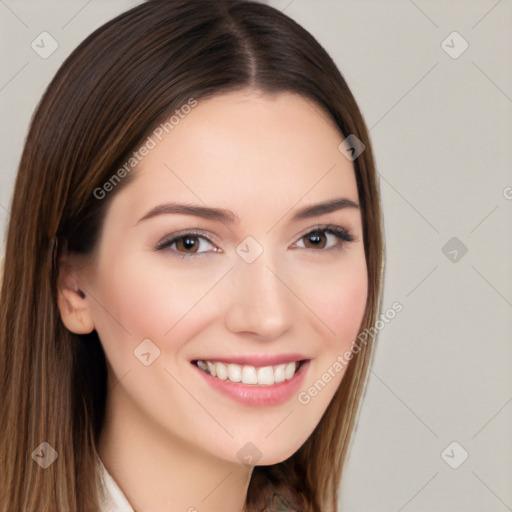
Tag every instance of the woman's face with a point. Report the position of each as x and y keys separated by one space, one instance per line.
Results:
x=253 y=288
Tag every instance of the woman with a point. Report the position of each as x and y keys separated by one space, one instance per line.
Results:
x=194 y=246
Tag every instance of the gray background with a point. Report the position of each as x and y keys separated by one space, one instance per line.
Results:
x=441 y=129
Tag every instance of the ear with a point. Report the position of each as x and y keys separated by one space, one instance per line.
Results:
x=73 y=303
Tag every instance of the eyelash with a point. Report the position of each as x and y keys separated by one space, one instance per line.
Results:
x=341 y=233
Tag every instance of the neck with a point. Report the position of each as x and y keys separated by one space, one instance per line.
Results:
x=159 y=472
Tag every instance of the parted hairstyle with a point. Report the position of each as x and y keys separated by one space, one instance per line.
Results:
x=120 y=83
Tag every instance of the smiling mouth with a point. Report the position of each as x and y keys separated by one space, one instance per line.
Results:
x=250 y=375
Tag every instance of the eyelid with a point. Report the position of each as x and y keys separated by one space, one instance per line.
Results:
x=344 y=236
x=329 y=228
x=174 y=237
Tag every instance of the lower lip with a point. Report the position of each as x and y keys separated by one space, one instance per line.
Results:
x=258 y=396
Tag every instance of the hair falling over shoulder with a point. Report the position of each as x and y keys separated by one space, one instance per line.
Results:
x=124 y=79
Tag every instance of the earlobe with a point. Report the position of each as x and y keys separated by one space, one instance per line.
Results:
x=73 y=303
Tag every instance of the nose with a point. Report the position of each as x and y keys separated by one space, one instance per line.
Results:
x=260 y=301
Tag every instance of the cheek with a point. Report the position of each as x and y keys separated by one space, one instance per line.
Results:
x=139 y=299
x=339 y=301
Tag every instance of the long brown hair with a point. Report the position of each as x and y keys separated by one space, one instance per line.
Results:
x=128 y=76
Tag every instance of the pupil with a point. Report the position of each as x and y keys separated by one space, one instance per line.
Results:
x=315 y=239
x=188 y=242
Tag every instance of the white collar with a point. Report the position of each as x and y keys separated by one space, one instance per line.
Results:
x=112 y=499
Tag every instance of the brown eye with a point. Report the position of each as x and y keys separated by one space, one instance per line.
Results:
x=187 y=243
x=317 y=239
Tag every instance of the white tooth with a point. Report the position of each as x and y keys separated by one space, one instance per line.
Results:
x=221 y=371
x=211 y=368
x=234 y=373
x=266 y=376
x=289 y=371
x=249 y=375
x=279 y=375
x=202 y=365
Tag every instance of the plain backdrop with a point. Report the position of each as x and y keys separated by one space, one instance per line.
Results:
x=434 y=82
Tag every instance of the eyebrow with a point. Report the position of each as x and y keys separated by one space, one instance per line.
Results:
x=228 y=217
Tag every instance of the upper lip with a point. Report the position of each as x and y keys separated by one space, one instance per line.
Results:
x=256 y=359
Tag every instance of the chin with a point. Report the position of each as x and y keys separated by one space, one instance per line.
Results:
x=262 y=452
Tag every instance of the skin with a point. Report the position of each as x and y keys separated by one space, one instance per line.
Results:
x=170 y=441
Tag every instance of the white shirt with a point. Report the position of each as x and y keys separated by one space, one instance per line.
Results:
x=112 y=499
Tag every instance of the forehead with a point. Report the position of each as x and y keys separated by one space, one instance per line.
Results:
x=245 y=151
